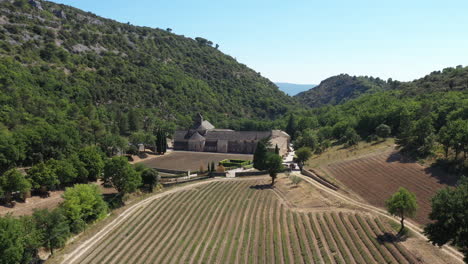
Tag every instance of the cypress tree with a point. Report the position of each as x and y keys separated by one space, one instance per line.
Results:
x=158 y=142
x=260 y=154
x=163 y=142
x=277 y=150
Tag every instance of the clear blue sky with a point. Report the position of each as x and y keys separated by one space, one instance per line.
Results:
x=308 y=41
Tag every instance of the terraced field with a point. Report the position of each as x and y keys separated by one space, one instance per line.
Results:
x=242 y=222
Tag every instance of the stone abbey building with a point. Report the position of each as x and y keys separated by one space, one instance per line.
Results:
x=203 y=136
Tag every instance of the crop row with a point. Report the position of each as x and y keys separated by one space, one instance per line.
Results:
x=231 y=222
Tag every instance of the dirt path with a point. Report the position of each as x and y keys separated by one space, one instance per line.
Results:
x=32 y=203
x=417 y=230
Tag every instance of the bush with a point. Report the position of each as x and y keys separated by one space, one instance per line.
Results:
x=83 y=203
x=295 y=180
x=234 y=163
x=383 y=131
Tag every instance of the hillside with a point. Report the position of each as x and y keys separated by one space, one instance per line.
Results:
x=338 y=89
x=293 y=88
x=62 y=57
x=341 y=88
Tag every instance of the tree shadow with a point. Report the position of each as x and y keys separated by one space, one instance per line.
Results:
x=441 y=175
x=399 y=157
x=391 y=238
x=437 y=170
x=113 y=200
x=262 y=187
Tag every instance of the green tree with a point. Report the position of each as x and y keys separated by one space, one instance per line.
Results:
x=308 y=138
x=123 y=177
x=93 y=162
x=83 y=203
x=10 y=154
x=350 y=137
x=80 y=168
x=43 y=177
x=419 y=138
x=31 y=237
x=291 y=127
x=260 y=155
x=54 y=227
x=402 y=204
x=111 y=144
x=98 y=130
x=149 y=176
x=161 y=141
x=277 y=150
x=303 y=155
x=274 y=165
x=449 y=217
x=383 y=131
x=122 y=121
x=11 y=241
x=446 y=139
x=134 y=122
x=65 y=171
x=13 y=181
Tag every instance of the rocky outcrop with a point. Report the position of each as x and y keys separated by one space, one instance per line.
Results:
x=36 y=3
x=60 y=14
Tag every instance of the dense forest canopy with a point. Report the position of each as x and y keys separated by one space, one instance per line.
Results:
x=428 y=116
x=69 y=78
x=58 y=51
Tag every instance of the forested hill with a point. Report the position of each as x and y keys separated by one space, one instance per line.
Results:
x=341 y=88
x=338 y=89
x=54 y=57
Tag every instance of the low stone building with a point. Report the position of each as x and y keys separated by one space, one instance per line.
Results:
x=203 y=136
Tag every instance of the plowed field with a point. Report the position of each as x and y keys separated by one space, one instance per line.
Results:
x=190 y=160
x=241 y=222
x=375 y=178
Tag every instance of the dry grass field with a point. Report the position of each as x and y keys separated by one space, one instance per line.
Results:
x=245 y=221
x=188 y=160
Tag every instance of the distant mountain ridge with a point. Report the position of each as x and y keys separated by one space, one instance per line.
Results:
x=338 y=89
x=341 y=88
x=292 y=88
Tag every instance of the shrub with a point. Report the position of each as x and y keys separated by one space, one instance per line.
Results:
x=295 y=179
x=83 y=203
x=383 y=131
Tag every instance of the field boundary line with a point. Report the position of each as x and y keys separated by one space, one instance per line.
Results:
x=417 y=230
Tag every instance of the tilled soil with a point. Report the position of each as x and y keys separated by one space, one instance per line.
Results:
x=241 y=221
x=375 y=178
x=189 y=160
